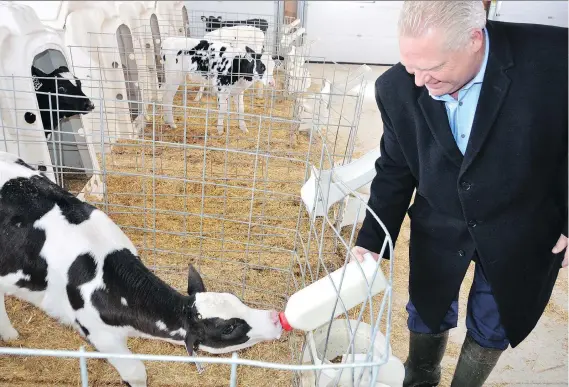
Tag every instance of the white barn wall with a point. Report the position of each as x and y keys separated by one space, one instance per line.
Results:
x=553 y=13
x=354 y=31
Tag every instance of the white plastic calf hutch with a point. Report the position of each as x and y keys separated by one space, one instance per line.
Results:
x=108 y=40
x=172 y=18
x=102 y=55
x=146 y=46
x=67 y=150
x=148 y=31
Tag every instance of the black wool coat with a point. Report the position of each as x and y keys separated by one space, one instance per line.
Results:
x=505 y=199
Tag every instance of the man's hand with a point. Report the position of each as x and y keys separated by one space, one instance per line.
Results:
x=359 y=252
x=559 y=246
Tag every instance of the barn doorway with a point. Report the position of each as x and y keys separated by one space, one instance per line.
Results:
x=290 y=10
x=130 y=71
x=186 y=21
x=157 y=41
x=67 y=145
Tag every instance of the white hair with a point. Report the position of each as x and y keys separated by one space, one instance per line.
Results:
x=456 y=19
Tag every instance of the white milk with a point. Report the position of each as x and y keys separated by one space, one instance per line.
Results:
x=312 y=306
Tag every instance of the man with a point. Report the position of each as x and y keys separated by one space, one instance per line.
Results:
x=475 y=122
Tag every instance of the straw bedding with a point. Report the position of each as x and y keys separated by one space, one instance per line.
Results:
x=242 y=244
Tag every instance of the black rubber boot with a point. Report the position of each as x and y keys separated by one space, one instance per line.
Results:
x=474 y=364
x=423 y=365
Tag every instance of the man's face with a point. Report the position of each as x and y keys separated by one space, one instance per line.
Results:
x=440 y=70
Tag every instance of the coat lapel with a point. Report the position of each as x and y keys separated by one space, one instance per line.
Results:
x=437 y=119
x=492 y=94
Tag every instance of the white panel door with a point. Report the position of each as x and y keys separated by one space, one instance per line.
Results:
x=538 y=12
x=354 y=31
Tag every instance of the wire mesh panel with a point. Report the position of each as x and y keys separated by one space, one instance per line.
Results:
x=228 y=202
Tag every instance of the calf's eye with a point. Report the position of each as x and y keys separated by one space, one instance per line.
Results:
x=228 y=330
x=61 y=89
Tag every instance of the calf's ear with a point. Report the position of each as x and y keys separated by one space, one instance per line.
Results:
x=37 y=72
x=63 y=69
x=191 y=343
x=195 y=282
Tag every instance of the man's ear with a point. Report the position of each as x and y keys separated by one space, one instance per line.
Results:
x=195 y=282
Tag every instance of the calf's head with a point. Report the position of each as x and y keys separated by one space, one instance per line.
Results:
x=67 y=97
x=262 y=66
x=271 y=63
x=212 y=23
x=221 y=323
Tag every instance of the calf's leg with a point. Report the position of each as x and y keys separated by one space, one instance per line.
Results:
x=222 y=102
x=170 y=88
x=203 y=84
x=199 y=94
x=7 y=331
x=241 y=110
x=131 y=371
x=260 y=87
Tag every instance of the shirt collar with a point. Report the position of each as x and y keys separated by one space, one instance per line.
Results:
x=479 y=77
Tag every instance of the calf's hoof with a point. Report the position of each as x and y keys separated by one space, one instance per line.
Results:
x=135 y=383
x=9 y=334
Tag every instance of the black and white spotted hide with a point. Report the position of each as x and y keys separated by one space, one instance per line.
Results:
x=213 y=23
x=67 y=97
x=229 y=71
x=71 y=260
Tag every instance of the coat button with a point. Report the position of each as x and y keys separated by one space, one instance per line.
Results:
x=465 y=185
x=472 y=223
x=461 y=253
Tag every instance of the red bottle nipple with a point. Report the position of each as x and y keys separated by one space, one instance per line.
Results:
x=284 y=323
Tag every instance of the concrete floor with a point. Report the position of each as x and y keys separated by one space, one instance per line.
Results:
x=541 y=360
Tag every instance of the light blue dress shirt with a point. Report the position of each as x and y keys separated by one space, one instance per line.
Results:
x=461 y=111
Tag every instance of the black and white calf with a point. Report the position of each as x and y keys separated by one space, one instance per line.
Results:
x=228 y=70
x=213 y=23
x=246 y=36
x=67 y=97
x=72 y=261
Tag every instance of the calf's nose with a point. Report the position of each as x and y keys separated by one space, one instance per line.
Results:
x=89 y=105
x=275 y=317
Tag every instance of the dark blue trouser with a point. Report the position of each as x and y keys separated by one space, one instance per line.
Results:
x=482 y=319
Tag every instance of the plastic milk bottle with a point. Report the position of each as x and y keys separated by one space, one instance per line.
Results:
x=312 y=307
